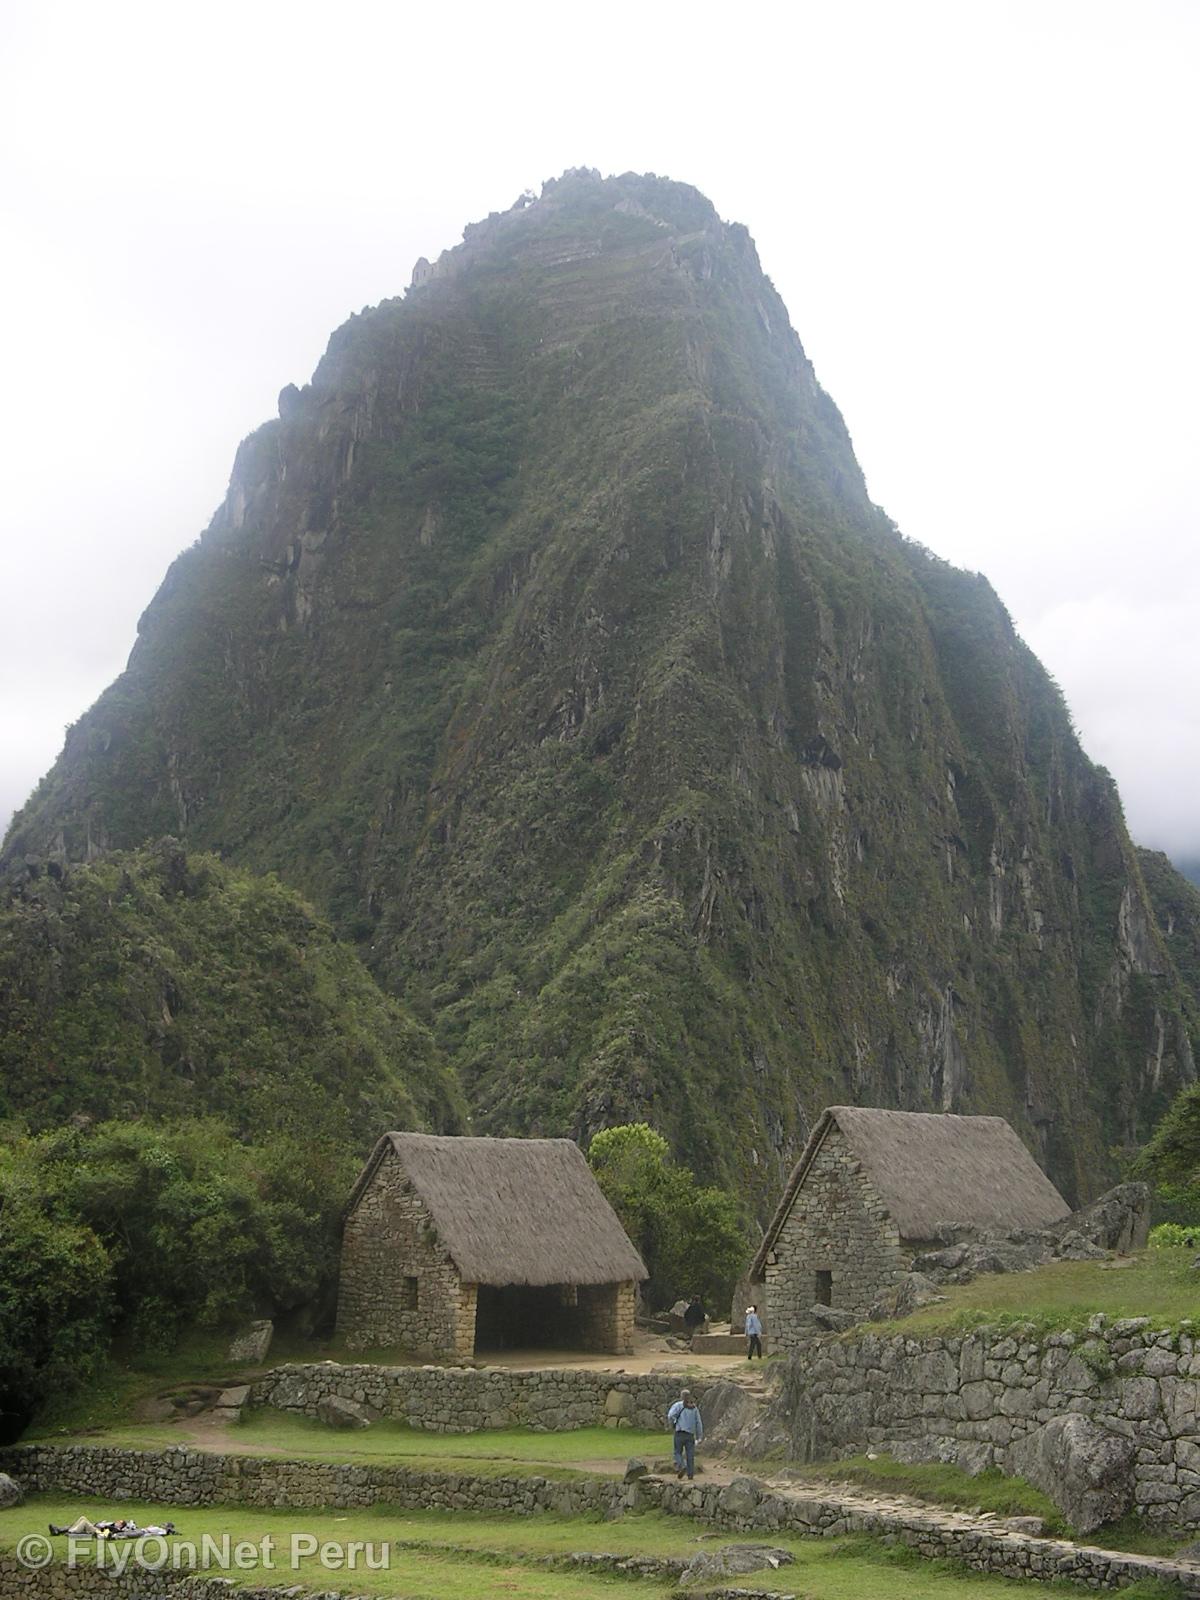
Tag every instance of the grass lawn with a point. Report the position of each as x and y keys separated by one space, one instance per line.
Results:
x=130 y=1376
x=495 y=1450
x=1158 y=1284
x=462 y=1556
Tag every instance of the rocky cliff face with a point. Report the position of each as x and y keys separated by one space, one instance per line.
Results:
x=549 y=641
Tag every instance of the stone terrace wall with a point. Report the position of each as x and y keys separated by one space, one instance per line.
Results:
x=192 y=1479
x=464 y=1399
x=972 y=1397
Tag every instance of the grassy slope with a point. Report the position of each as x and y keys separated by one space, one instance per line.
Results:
x=392 y=1443
x=1158 y=1284
x=833 y=1569
x=158 y=984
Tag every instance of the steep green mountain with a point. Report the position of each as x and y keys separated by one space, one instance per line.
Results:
x=549 y=642
x=157 y=985
x=1175 y=900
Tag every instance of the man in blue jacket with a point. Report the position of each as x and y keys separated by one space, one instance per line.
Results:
x=684 y=1417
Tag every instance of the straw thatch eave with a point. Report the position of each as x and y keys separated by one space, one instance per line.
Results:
x=512 y=1211
x=931 y=1168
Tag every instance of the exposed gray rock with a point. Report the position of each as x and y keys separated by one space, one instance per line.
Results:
x=340 y=1413
x=635 y=1468
x=739 y=1498
x=1119 y=1220
x=834 y=1318
x=734 y=1560
x=11 y=1492
x=912 y=1292
x=1086 y=1470
x=1073 y=1246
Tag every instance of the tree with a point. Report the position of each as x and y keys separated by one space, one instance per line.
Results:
x=1171 y=1160
x=692 y=1239
x=55 y=1295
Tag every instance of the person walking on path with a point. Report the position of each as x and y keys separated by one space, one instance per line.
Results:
x=684 y=1417
x=753 y=1333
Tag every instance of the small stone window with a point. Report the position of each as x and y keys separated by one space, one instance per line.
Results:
x=408 y=1294
x=824 y=1288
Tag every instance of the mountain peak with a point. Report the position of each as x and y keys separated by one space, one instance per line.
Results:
x=548 y=641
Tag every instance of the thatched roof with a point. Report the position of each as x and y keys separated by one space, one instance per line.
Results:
x=933 y=1167
x=513 y=1211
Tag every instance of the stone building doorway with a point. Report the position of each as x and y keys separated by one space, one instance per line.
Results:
x=824 y=1288
x=518 y=1317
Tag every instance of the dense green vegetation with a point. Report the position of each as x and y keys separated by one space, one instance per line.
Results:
x=1171 y=1161
x=157 y=984
x=192 y=1068
x=143 y=1231
x=550 y=643
x=693 y=1238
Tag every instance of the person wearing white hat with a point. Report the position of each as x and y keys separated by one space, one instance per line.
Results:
x=753 y=1333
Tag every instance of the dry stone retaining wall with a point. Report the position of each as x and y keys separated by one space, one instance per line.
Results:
x=191 y=1478
x=972 y=1398
x=465 y=1399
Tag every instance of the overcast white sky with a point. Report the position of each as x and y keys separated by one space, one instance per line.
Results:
x=982 y=216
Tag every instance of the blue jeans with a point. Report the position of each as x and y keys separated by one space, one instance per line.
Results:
x=685 y=1451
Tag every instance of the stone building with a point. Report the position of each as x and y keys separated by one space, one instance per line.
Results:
x=871 y=1189
x=457 y=1245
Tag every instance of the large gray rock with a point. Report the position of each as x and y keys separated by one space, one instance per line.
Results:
x=339 y=1413
x=912 y=1292
x=739 y=1497
x=1086 y=1471
x=1119 y=1220
x=11 y=1492
x=732 y=1561
x=729 y=1411
x=833 y=1318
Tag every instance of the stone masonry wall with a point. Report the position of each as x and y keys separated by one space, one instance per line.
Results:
x=606 y=1317
x=189 y=1478
x=463 y=1399
x=389 y=1239
x=838 y=1224
x=969 y=1398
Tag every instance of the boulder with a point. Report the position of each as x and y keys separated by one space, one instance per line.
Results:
x=635 y=1469
x=1074 y=1246
x=11 y=1492
x=732 y=1562
x=1119 y=1220
x=729 y=1411
x=739 y=1497
x=1086 y=1471
x=912 y=1292
x=339 y=1413
x=833 y=1318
